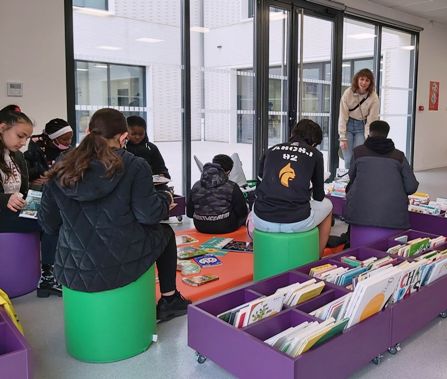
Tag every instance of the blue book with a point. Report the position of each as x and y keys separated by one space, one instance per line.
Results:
x=208 y=260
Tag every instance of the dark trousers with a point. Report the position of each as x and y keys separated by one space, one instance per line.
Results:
x=167 y=262
x=10 y=222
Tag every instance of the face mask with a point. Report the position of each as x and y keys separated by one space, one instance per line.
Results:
x=60 y=146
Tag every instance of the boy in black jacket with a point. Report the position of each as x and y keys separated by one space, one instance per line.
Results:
x=138 y=144
x=380 y=181
x=283 y=198
x=216 y=204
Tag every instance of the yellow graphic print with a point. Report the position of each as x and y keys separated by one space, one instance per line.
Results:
x=286 y=174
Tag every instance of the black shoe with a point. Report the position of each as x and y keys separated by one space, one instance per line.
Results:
x=172 y=306
x=47 y=284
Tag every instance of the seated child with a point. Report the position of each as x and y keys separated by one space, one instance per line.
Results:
x=283 y=198
x=45 y=148
x=216 y=204
x=380 y=181
x=138 y=144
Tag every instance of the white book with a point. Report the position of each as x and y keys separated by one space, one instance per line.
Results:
x=439 y=269
x=373 y=295
x=280 y=343
x=300 y=341
x=306 y=293
x=288 y=290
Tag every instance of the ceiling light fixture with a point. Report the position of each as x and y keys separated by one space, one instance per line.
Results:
x=107 y=47
x=148 y=40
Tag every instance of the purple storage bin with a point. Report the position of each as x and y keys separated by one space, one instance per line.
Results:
x=366 y=235
x=14 y=351
x=19 y=262
x=428 y=223
x=415 y=312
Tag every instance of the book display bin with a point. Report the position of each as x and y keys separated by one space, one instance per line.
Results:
x=243 y=353
x=14 y=351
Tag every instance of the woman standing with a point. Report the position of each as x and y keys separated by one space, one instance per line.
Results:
x=359 y=106
x=109 y=217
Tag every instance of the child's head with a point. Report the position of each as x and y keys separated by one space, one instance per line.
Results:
x=59 y=132
x=15 y=129
x=224 y=161
x=307 y=130
x=12 y=108
x=363 y=81
x=136 y=127
x=379 y=128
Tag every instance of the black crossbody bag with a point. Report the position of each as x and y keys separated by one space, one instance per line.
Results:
x=358 y=105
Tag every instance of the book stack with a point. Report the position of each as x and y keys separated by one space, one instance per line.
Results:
x=296 y=340
x=431 y=209
x=267 y=306
x=412 y=247
x=418 y=198
x=435 y=266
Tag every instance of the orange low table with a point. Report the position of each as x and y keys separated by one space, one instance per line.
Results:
x=236 y=268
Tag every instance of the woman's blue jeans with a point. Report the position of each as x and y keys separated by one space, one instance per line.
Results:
x=355 y=134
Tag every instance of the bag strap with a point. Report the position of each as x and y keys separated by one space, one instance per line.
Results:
x=358 y=105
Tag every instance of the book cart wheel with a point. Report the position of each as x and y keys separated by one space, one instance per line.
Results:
x=200 y=358
x=394 y=349
x=377 y=360
x=443 y=314
x=180 y=218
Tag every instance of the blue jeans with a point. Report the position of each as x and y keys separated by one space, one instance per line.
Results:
x=355 y=134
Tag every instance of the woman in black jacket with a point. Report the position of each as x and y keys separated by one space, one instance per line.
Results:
x=109 y=214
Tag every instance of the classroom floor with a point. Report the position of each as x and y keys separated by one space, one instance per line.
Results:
x=422 y=356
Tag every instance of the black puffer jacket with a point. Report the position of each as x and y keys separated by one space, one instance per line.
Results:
x=380 y=181
x=39 y=157
x=109 y=228
x=216 y=204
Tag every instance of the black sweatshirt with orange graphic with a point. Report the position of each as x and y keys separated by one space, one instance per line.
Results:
x=288 y=171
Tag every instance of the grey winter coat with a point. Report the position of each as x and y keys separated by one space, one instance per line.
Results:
x=109 y=231
x=380 y=181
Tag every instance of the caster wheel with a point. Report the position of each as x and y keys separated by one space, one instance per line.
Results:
x=377 y=360
x=443 y=314
x=201 y=358
x=180 y=218
x=392 y=350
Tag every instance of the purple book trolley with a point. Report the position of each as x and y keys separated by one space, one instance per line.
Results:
x=14 y=351
x=244 y=354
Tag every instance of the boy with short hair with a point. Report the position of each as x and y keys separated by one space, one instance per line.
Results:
x=380 y=181
x=216 y=204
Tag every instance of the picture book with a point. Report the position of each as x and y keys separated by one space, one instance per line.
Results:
x=306 y=293
x=199 y=280
x=160 y=179
x=438 y=269
x=239 y=246
x=331 y=309
x=288 y=290
x=309 y=341
x=336 y=329
x=184 y=239
x=187 y=252
x=278 y=340
x=370 y=295
x=32 y=205
x=187 y=267
x=269 y=306
x=216 y=242
x=409 y=280
x=208 y=260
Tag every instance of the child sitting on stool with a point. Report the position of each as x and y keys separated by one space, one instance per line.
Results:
x=216 y=204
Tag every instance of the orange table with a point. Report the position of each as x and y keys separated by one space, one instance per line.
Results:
x=236 y=268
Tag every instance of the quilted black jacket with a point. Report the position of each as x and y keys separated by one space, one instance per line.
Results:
x=109 y=228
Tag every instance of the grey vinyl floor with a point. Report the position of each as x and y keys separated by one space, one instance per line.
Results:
x=422 y=356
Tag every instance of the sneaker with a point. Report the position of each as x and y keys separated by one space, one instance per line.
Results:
x=168 y=308
x=47 y=284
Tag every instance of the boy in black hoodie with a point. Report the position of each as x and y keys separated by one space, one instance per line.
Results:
x=380 y=181
x=138 y=144
x=216 y=204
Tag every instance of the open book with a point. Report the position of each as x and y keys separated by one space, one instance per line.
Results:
x=32 y=205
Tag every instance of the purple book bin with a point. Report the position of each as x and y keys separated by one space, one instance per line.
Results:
x=14 y=351
x=366 y=235
x=19 y=262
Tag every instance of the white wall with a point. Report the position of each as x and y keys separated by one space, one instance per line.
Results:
x=32 y=37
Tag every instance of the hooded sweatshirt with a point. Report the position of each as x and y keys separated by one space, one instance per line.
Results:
x=151 y=154
x=380 y=181
x=109 y=231
x=216 y=204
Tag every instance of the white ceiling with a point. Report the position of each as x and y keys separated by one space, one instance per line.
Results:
x=433 y=10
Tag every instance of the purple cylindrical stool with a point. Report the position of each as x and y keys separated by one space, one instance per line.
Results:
x=19 y=262
x=366 y=235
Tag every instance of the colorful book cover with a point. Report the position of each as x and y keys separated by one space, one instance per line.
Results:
x=187 y=252
x=32 y=206
x=199 y=280
x=267 y=307
x=239 y=246
x=216 y=242
x=184 y=239
x=208 y=260
x=336 y=329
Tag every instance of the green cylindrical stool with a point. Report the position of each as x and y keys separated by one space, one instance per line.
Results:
x=110 y=325
x=278 y=252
